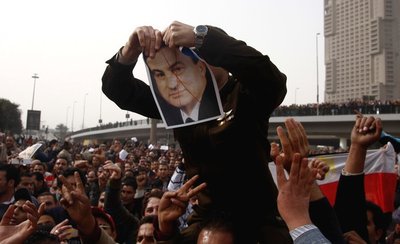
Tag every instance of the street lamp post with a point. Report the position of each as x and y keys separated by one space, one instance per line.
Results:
x=316 y=41
x=100 y=120
x=66 y=120
x=295 y=95
x=72 y=120
x=34 y=76
x=84 y=106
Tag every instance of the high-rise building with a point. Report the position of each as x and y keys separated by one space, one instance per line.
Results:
x=362 y=50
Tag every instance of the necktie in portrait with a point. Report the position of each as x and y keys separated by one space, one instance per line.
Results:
x=188 y=120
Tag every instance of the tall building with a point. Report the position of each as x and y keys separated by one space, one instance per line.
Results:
x=362 y=50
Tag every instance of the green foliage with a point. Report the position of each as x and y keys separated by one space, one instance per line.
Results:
x=61 y=131
x=10 y=117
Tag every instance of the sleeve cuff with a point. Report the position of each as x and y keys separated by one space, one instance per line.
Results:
x=301 y=230
x=345 y=173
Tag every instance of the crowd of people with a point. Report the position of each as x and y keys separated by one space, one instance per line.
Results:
x=100 y=194
x=215 y=185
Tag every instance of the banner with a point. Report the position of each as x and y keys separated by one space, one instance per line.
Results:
x=380 y=176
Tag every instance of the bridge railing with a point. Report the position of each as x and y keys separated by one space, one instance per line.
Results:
x=285 y=111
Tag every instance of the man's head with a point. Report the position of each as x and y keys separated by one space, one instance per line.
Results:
x=60 y=166
x=10 y=142
x=38 y=166
x=146 y=230
x=21 y=196
x=105 y=221
x=27 y=182
x=216 y=231
x=128 y=191
x=180 y=79
x=376 y=224
x=9 y=179
x=48 y=199
x=102 y=198
x=151 y=202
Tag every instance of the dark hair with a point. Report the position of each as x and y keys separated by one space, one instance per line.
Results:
x=219 y=224
x=12 y=173
x=130 y=181
x=100 y=213
x=41 y=236
x=70 y=172
x=22 y=194
x=378 y=218
x=39 y=176
x=156 y=193
x=26 y=174
x=149 y=219
x=47 y=193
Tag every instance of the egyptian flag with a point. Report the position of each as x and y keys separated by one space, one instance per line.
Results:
x=380 y=176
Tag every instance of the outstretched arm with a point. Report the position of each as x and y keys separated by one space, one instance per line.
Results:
x=350 y=205
x=294 y=198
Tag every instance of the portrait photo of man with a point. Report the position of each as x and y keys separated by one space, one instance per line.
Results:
x=184 y=87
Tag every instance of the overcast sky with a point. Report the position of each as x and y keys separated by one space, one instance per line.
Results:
x=67 y=43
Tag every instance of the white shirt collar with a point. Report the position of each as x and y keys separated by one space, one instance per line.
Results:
x=193 y=115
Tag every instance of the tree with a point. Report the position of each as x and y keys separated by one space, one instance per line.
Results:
x=61 y=131
x=10 y=117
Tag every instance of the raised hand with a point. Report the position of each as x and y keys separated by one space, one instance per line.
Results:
x=173 y=204
x=179 y=34
x=75 y=201
x=144 y=39
x=320 y=166
x=19 y=233
x=294 y=193
x=366 y=131
x=295 y=141
x=115 y=170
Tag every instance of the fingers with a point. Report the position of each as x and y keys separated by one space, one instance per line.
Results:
x=149 y=39
x=320 y=167
x=81 y=197
x=304 y=140
x=179 y=203
x=295 y=168
x=196 y=190
x=30 y=208
x=280 y=172
x=7 y=215
x=292 y=131
x=274 y=150
x=79 y=184
x=284 y=141
x=369 y=124
x=297 y=137
x=189 y=183
x=115 y=170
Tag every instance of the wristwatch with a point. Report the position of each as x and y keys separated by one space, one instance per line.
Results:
x=200 y=33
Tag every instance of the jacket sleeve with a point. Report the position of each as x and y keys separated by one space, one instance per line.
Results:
x=328 y=224
x=253 y=69
x=312 y=236
x=125 y=221
x=350 y=205
x=129 y=93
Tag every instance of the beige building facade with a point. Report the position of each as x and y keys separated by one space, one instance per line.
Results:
x=362 y=50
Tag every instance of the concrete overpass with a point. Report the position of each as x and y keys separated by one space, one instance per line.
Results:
x=325 y=129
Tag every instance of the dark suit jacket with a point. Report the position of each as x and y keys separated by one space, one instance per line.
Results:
x=208 y=106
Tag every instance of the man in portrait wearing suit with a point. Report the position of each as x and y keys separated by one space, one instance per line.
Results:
x=183 y=86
